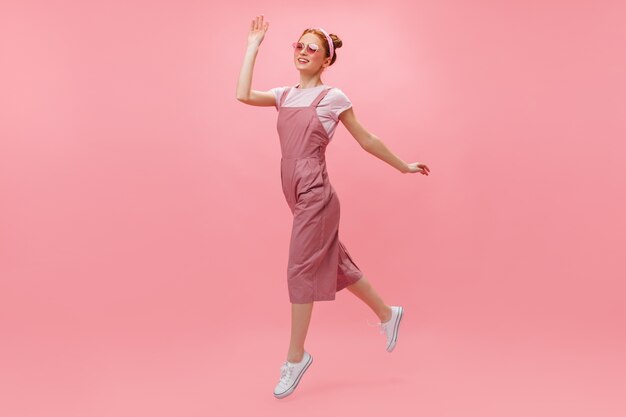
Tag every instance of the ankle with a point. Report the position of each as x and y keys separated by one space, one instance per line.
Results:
x=295 y=357
x=385 y=315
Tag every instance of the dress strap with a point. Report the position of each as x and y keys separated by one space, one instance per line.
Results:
x=320 y=96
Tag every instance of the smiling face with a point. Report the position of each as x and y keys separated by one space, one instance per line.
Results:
x=314 y=62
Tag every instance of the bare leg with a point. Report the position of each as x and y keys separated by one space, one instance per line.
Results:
x=300 y=319
x=364 y=290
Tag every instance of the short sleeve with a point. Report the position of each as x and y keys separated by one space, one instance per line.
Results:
x=278 y=91
x=339 y=103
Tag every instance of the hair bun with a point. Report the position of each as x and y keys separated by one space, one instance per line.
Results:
x=336 y=41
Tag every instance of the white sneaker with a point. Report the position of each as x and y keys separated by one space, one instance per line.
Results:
x=290 y=375
x=390 y=328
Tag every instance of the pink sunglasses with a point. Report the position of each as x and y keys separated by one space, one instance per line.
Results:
x=310 y=48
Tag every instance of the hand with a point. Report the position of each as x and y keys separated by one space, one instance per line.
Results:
x=417 y=167
x=257 y=31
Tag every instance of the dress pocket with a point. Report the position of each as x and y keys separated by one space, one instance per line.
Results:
x=310 y=179
x=316 y=178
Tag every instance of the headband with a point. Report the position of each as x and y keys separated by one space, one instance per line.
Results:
x=331 y=46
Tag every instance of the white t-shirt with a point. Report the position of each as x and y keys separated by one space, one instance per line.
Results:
x=329 y=108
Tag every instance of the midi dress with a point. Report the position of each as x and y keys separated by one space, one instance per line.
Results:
x=319 y=264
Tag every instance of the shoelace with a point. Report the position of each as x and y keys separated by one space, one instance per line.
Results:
x=381 y=326
x=285 y=373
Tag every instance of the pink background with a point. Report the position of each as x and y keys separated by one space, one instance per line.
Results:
x=144 y=234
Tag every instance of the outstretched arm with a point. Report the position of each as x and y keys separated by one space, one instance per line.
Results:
x=244 y=85
x=376 y=147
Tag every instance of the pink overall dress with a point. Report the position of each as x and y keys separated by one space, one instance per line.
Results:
x=319 y=264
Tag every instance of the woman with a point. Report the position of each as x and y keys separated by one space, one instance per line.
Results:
x=319 y=264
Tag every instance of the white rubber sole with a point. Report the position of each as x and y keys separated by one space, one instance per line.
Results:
x=396 y=328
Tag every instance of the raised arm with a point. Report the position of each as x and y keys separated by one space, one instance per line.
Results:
x=376 y=147
x=245 y=94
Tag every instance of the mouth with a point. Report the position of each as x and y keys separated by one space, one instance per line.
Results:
x=302 y=60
